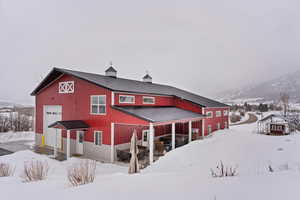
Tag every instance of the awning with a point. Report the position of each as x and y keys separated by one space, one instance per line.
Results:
x=161 y=114
x=70 y=125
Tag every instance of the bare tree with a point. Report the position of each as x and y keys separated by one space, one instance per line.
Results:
x=224 y=171
x=6 y=170
x=82 y=173
x=35 y=170
x=284 y=98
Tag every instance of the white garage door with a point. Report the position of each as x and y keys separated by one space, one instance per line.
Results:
x=51 y=115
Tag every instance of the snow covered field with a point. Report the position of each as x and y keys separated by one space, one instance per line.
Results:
x=182 y=174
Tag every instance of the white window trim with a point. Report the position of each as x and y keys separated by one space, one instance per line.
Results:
x=218 y=113
x=91 y=104
x=100 y=135
x=225 y=112
x=212 y=114
x=145 y=97
x=209 y=129
x=66 y=91
x=125 y=101
x=218 y=126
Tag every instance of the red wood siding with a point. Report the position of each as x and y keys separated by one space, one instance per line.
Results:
x=159 y=100
x=187 y=105
x=215 y=120
x=76 y=106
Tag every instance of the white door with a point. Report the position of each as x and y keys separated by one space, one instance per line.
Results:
x=145 y=138
x=79 y=142
x=52 y=135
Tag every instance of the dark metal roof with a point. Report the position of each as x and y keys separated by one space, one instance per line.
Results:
x=111 y=69
x=127 y=85
x=159 y=114
x=271 y=116
x=70 y=125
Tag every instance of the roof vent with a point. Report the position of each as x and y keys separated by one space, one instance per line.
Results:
x=111 y=71
x=147 y=78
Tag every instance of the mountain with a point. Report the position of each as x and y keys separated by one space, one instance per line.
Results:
x=266 y=91
x=5 y=104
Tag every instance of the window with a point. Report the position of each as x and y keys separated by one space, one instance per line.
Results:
x=209 y=114
x=66 y=87
x=98 y=138
x=98 y=104
x=148 y=100
x=126 y=99
x=218 y=126
x=209 y=129
x=218 y=113
x=225 y=112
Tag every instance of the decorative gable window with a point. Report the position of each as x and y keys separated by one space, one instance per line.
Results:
x=66 y=87
x=98 y=104
x=148 y=100
x=126 y=99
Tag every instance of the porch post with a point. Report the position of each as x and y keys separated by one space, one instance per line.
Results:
x=55 y=146
x=190 y=131
x=68 y=144
x=203 y=128
x=112 y=142
x=151 y=143
x=173 y=135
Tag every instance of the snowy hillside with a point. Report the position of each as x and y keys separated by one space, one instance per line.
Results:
x=267 y=91
x=5 y=104
x=184 y=173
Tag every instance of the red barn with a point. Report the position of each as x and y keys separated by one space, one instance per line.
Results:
x=94 y=115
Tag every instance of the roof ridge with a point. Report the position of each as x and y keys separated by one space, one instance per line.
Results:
x=130 y=85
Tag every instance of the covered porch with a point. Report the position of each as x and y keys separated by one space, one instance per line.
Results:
x=64 y=152
x=168 y=128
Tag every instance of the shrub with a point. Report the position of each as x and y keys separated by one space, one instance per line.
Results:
x=235 y=118
x=270 y=168
x=82 y=173
x=222 y=171
x=6 y=170
x=35 y=170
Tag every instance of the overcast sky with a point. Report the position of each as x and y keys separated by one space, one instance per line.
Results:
x=205 y=46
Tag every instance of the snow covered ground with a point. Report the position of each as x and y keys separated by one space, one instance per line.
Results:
x=16 y=136
x=182 y=174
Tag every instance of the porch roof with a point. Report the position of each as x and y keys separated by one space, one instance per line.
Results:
x=70 y=124
x=160 y=114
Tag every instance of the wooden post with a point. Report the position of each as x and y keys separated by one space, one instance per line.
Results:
x=203 y=128
x=173 y=135
x=190 y=131
x=68 y=144
x=151 y=143
x=55 y=146
x=112 y=146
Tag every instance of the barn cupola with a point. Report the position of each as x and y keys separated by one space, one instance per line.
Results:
x=111 y=71
x=147 y=78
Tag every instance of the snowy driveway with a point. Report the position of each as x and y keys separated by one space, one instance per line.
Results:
x=16 y=146
x=4 y=152
x=11 y=142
